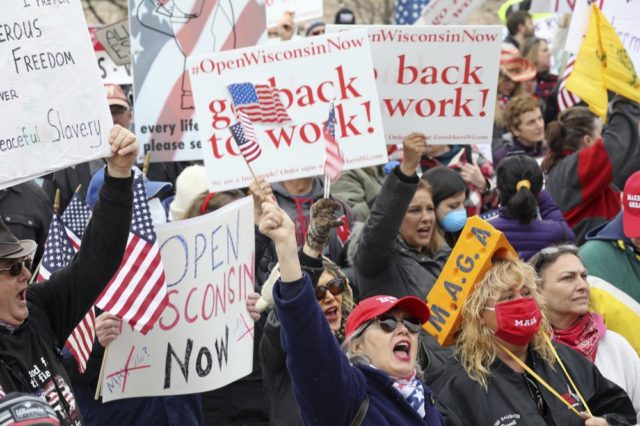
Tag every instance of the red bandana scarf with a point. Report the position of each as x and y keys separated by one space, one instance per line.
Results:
x=584 y=335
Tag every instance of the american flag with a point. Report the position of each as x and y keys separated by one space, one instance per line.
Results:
x=260 y=102
x=408 y=11
x=333 y=160
x=137 y=293
x=75 y=219
x=566 y=99
x=245 y=137
x=59 y=249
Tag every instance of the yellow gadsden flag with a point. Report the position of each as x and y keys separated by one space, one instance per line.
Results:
x=602 y=63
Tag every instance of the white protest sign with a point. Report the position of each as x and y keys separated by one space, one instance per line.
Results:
x=306 y=74
x=447 y=12
x=115 y=40
x=53 y=107
x=438 y=80
x=204 y=338
x=304 y=10
x=163 y=34
x=109 y=71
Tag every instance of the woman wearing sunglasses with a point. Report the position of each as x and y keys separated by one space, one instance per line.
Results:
x=509 y=373
x=563 y=284
x=381 y=336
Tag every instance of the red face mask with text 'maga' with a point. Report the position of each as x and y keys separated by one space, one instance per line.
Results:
x=518 y=320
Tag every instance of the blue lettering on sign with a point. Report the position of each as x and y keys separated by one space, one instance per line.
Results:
x=230 y=242
x=452 y=289
x=468 y=263
x=437 y=317
x=214 y=247
x=174 y=254
x=198 y=253
x=481 y=235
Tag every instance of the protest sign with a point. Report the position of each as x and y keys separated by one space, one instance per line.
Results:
x=302 y=76
x=470 y=259
x=53 y=108
x=447 y=12
x=109 y=71
x=204 y=338
x=304 y=10
x=438 y=80
x=115 y=40
x=163 y=34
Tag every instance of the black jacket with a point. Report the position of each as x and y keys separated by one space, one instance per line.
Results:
x=384 y=263
x=30 y=359
x=463 y=401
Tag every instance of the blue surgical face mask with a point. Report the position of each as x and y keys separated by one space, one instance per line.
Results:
x=454 y=220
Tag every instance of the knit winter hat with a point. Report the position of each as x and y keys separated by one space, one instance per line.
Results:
x=17 y=409
x=192 y=182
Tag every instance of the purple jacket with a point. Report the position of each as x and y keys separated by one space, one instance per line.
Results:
x=549 y=229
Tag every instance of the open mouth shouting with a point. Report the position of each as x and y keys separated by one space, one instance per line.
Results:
x=402 y=350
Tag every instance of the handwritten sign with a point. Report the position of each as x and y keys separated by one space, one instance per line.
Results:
x=115 y=40
x=470 y=259
x=53 y=108
x=305 y=75
x=163 y=34
x=204 y=338
x=304 y=10
x=438 y=80
x=109 y=71
x=447 y=12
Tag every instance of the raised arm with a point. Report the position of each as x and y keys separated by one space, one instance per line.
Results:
x=71 y=291
x=389 y=209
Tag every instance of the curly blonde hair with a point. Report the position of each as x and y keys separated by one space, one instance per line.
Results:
x=477 y=349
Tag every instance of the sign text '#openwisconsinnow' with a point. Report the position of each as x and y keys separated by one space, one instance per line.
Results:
x=260 y=56
x=463 y=36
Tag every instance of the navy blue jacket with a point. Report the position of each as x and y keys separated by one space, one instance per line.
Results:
x=328 y=389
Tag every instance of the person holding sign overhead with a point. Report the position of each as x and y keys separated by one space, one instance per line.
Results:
x=401 y=251
x=379 y=385
x=509 y=372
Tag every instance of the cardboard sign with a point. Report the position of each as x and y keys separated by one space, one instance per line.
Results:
x=109 y=71
x=304 y=10
x=115 y=40
x=163 y=34
x=53 y=107
x=305 y=75
x=447 y=12
x=470 y=259
x=204 y=338
x=438 y=80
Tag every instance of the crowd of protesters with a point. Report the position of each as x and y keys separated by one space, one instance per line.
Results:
x=548 y=339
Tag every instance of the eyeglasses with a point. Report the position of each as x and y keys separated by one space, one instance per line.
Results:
x=16 y=267
x=388 y=324
x=547 y=253
x=335 y=287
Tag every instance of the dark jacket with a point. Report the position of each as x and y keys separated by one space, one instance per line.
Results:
x=27 y=212
x=582 y=183
x=463 y=401
x=512 y=144
x=29 y=357
x=548 y=229
x=330 y=390
x=384 y=263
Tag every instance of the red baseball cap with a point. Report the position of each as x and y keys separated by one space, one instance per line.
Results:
x=375 y=306
x=631 y=206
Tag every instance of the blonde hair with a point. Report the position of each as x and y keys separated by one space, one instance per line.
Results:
x=477 y=349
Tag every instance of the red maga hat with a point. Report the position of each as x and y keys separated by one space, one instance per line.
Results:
x=375 y=306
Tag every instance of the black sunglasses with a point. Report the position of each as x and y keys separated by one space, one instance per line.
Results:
x=16 y=267
x=335 y=287
x=388 y=324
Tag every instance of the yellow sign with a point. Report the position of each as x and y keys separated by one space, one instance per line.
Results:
x=470 y=259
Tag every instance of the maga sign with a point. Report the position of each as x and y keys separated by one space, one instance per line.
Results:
x=438 y=80
x=204 y=338
x=470 y=259
x=305 y=76
x=53 y=107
